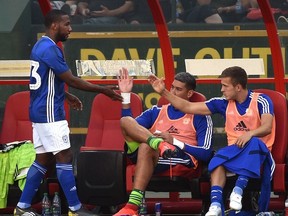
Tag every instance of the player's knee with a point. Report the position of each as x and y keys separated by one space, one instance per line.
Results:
x=125 y=121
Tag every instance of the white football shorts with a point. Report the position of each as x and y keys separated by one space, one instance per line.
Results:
x=51 y=137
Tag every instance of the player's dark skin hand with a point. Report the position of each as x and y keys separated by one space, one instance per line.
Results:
x=109 y=91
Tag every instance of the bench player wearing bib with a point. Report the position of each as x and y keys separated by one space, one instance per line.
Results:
x=162 y=135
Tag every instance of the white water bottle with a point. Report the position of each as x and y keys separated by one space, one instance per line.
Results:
x=46 y=205
x=56 y=205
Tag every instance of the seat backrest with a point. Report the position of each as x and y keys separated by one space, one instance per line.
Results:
x=196 y=97
x=104 y=124
x=16 y=124
x=280 y=110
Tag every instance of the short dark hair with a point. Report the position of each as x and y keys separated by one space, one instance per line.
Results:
x=53 y=16
x=187 y=78
x=237 y=74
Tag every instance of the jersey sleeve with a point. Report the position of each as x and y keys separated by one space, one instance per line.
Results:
x=217 y=105
x=204 y=129
x=265 y=104
x=54 y=58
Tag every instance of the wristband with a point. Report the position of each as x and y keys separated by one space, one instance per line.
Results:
x=126 y=97
x=178 y=143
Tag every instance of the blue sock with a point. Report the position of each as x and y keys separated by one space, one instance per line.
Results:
x=241 y=184
x=67 y=182
x=34 y=177
x=216 y=195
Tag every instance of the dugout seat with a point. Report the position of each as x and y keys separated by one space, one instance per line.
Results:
x=279 y=151
x=101 y=163
x=16 y=126
x=105 y=183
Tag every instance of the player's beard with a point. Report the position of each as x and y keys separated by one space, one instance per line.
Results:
x=62 y=37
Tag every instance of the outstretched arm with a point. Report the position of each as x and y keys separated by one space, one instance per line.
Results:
x=179 y=103
x=78 y=83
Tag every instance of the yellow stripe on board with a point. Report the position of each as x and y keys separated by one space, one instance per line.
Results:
x=175 y=34
x=78 y=130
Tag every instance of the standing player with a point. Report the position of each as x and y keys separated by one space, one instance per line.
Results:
x=49 y=73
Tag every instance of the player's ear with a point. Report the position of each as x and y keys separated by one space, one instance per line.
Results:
x=190 y=93
x=54 y=26
x=238 y=87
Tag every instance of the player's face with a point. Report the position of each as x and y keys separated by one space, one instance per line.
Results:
x=179 y=89
x=64 y=28
x=228 y=89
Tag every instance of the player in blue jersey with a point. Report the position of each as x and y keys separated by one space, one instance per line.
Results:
x=176 y=137
x=49 y=74
x=250 y=127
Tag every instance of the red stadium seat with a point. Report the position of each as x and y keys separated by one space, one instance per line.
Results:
x=16 y=124
x=104 y=124
x=101 y=163
x=279 y=148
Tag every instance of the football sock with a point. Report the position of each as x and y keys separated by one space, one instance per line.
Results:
x=240 y=185
x=154 y=142
x=67 y=182
x=34 y=177
x=136 y=197
x=216 y=195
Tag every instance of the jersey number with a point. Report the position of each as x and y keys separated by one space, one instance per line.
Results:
x=35 y=75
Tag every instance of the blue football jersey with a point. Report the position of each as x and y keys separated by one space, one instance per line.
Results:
x=47 y=91
x=219 y=105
